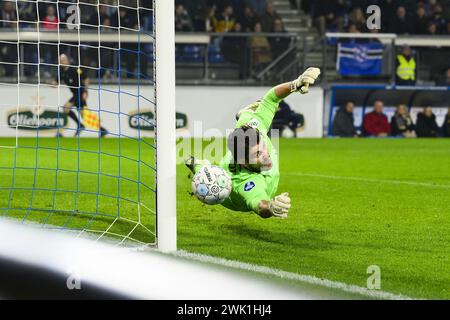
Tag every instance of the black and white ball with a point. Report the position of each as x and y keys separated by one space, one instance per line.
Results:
x=211 y=185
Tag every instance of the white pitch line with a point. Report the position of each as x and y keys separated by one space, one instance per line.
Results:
x=353 y=289
x=372 y=180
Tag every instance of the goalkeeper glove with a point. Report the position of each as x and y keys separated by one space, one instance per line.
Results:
x=191 y=162
x=305 y=80
x=280 y=205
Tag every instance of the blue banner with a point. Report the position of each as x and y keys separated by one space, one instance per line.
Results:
x=359 y=58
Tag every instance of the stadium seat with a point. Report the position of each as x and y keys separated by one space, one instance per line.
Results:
x=215 y=54
x=192 y=53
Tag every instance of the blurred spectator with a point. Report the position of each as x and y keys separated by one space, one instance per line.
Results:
x=438 y=18
x=327 y=15
x=8 y=15
x=191 y=6
x=426 y=124
x=375 y=123
x=428 y=6
x=401 y=23
x=398 y=16
x=129 y=51
x=49 y=53
x=286 y=117
x=106 y=63
x=280 y=44
x=260 y=49
x=201 y=12
x=401 y=16
x=357 y=19
x=446 y=9
x=432 y=29
x=249 y=19
x=446 y=125
x=421 y=21
x=258 y=5
x=269 y=17
x=234 y=49
x=103 y=14
x=406 y=68
x=225 y=21
x=402 y=124
x=343 y=124
x=388 y=10
x=183 y=21
x=28 y=19
x=352 y=28
x=50 y=20
x=210 y=13
x=126 y=19
x=444 y=80
x=8 y=52
x=27 y=12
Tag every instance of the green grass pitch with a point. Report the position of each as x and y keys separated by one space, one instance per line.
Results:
x=56 y=185
x=356 y=203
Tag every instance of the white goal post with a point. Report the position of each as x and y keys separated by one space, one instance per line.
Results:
x=165 y=125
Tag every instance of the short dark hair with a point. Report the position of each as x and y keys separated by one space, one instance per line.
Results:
x=241 y=140
x=349 y=101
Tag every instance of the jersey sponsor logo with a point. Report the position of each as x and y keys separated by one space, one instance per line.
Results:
x=249 y=186
x=253 y=123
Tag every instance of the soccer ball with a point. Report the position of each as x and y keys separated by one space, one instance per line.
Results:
x=211 y=185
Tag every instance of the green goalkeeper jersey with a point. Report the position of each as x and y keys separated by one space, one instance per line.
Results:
x=249 y=187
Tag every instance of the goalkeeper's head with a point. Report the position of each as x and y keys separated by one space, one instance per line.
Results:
x=248 y=149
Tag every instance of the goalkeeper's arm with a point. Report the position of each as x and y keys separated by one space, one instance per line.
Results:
x=265 y=110
x=301 y=84
x=277 y=207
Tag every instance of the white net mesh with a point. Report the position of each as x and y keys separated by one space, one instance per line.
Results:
x=77 y=116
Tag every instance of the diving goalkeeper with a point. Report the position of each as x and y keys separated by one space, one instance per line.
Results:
x=251 y=160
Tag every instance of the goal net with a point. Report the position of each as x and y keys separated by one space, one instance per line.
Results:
x=78 y=116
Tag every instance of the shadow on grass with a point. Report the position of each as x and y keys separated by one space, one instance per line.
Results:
x=306 y=239
x=233 y=234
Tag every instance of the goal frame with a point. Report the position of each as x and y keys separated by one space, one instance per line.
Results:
x=165 y=133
